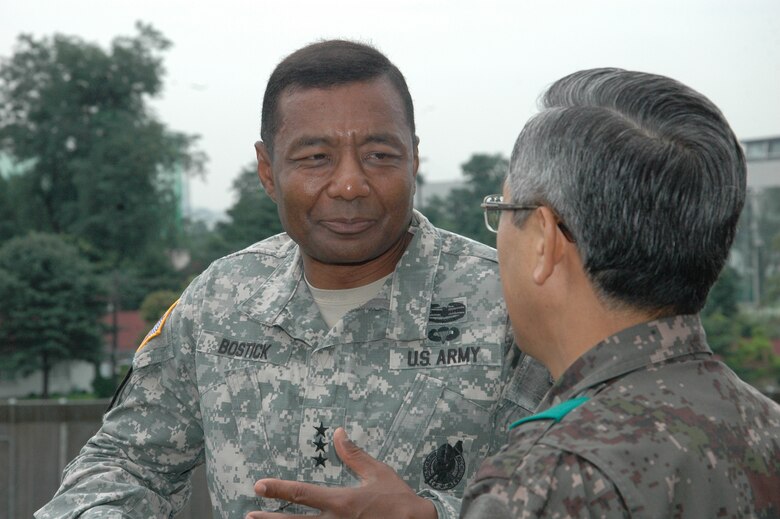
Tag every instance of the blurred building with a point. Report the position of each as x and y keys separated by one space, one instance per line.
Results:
x=10 y=168
x=755 y=255
x=763 y=156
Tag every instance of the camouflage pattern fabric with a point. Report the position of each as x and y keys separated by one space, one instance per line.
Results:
x=667 y=432
x=246 y=376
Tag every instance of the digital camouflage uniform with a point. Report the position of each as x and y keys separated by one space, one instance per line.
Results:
x=664 y=431
x=246 y=376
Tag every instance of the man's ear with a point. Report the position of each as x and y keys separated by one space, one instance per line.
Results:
x=415 y=160
x=550 y=245
x=265 y=170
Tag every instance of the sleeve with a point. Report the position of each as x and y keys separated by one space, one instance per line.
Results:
x=447 y=506
x=138 y=464
x=548 y=483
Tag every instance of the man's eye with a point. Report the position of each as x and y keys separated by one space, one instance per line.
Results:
x=313 y=159
x=381 y=156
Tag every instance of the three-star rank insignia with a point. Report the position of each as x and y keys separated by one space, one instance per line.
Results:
x=320 y=443
x=445 y=466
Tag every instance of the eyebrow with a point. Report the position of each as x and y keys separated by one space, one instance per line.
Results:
x=384 y=138
x=374 y=138
x=309 y=140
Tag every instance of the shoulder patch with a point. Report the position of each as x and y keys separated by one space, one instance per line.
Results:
x=444 y=467
x=157 y=328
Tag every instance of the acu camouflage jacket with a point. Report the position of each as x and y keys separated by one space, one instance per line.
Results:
x=245 y=375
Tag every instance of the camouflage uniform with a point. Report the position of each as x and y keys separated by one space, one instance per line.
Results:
x=246 y=376
x=664 y=431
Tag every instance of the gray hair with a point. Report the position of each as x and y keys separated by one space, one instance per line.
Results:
x=647 y=175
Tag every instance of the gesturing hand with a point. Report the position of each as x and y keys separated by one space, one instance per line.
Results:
x=381 y=494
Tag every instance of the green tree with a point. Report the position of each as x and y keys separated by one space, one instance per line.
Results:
x=251 y=218
x=724 y=294
x=753 y=359
x=102 y=165
x=203 y=245
x=156 y=303
x=7 y=213
x=459 y=211
x=52 y=304
x=723 y=333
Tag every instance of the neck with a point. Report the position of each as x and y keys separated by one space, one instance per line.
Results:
x=584 y=331
x=351 y=275
x=575 y=322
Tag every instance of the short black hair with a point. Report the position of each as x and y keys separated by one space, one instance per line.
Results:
x=327 y=64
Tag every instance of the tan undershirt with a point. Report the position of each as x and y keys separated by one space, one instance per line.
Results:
x=333 y=304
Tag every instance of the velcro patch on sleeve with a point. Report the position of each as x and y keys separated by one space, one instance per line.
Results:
x=157 y=328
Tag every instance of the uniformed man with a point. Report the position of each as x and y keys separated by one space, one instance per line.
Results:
x=361 y=316
x=617 y=215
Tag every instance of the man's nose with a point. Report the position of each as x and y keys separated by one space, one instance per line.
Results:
x=348 y=180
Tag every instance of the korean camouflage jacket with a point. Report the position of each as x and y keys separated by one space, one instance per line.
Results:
x=646 y=424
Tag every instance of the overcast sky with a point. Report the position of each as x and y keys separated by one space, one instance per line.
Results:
x=475 y=69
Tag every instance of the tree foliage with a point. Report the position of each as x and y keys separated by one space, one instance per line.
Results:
x=251 y=218
x=90 y=162
x=460 y=211
x=52 y=304
x=101 y=163
x=8 y=223
x=156 y=303
x=724 y=294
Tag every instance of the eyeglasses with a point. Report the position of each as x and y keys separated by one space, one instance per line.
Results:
x=494 y=204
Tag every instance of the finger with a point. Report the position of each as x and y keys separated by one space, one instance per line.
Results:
x=294 y=492
x=360 y=462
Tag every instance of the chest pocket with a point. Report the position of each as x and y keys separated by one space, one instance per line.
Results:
x=249 y=391
x=438 y=437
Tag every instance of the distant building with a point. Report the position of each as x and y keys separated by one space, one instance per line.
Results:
x=763 y=158
x=64 y=377
x=131 y=329
x=10 y=168
x=177 y=180
x=750 y=255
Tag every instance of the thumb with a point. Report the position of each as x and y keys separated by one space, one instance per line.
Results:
x=355 y=458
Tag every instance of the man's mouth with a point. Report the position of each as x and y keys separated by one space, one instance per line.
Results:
x=347 y=225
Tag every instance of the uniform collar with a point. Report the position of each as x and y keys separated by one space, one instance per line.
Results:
x=637 y=347
x=399 y=312
x=413 y=281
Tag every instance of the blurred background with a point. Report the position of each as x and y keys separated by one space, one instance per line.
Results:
x=127 y=164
